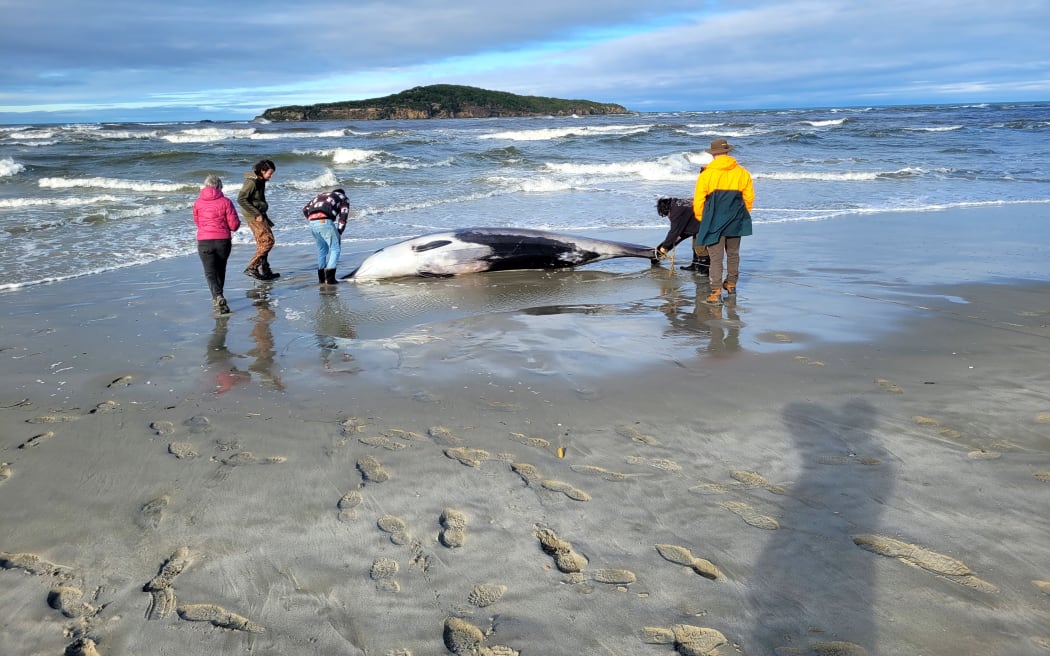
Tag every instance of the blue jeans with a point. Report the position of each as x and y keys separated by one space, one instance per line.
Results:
x=327 y=237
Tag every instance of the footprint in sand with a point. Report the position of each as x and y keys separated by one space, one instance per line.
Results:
x=348 y=504
x=931 y=561
x=662 y=464
x=612 y=576
x=635 y=435
x=248 y=458
x=750 y=516
x=105 y=407
x=688 y=640
x=813 y=363
x=750 y=479
x=123 y=381
x=709 y=488
x=70 y=602
x=443 y=435
x=371 y=470
x=52 y=419
x=528 y=472
x=943 y=431
x=382 y=441
x=172 y=567
x=831 y=648
x=162 y=427
x=152 y=512
x=600 y=471
x=462 y=637
x=847 y=460
x=82 y=647
x=467 y=456
x=889 y=386
x=983 y=454
x=217 y=616
x=573 y=493
x=183 y=450
x=501 y=406
x=5 y=471
x=486 y=594
x=34 y=565
x=396 y=527
x=565 y=558
x=36 y=440
x=1043 y=418
x=535 y=442
x=682 y=556
x=1044 y=586
x=454 y=528
x=352 y=425
x=383 y=571
x=1043 y=476
x=198 y=424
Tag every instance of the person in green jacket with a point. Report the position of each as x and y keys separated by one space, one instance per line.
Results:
x=722 y=204
x=252 y=200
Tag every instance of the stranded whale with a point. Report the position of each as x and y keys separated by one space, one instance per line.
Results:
x=473 y=250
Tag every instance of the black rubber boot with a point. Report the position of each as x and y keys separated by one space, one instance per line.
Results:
x=320 y=276
x=694 y=265
x=329 y=277
x=254 y=273
x=703 y=266
x=266 y=273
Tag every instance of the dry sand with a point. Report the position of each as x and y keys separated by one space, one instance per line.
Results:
x=585 y=462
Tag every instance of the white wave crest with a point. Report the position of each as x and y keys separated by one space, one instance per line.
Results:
x=549 y=134
x=846 y=176
x=207 y=135
x=825 y=124
x=9 y=166
x=677 y=168
x=115 y=183
x=352 y=155
x=326 y=180
x=12 y=203
x=946 y=128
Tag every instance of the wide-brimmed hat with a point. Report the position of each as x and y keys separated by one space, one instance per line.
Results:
x=720 y=147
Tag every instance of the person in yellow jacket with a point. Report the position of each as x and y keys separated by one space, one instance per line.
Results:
x=722 y=204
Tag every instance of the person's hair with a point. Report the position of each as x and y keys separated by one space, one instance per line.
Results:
x=663 y=206
x=213 y=181
x=264 y=165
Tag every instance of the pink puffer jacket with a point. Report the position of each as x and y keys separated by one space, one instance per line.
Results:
x=214 y=215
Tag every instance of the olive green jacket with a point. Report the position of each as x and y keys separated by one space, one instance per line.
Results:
x=252 y=198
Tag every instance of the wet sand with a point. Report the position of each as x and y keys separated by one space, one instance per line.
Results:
x=850 y=457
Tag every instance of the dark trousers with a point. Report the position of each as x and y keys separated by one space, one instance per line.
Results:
x=214 y=253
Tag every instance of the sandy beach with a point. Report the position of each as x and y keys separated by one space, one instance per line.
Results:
x=850 y=457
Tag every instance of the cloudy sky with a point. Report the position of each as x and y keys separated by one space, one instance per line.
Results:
x=108 y=60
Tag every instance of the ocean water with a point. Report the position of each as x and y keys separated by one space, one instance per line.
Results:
x=80 y=199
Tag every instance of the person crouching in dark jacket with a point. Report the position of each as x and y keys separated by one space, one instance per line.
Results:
x=683 y=224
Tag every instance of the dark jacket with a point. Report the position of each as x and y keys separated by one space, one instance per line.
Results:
x=252 y=198
x=683 y=222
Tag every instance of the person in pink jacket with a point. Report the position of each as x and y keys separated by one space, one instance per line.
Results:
x=216 y=220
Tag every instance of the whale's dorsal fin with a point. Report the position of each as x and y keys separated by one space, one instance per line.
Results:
x=431 y=245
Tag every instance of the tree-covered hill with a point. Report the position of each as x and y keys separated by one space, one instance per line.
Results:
x=441 y=101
